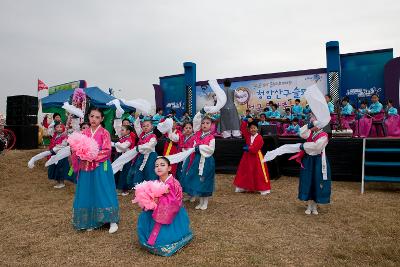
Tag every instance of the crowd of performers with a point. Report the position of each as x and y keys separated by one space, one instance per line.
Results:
x=166 y=229
x=369 y=120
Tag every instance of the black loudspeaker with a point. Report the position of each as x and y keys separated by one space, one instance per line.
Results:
x=22 y=110
x=27 y=136
x=22 y=120
x=22 y=100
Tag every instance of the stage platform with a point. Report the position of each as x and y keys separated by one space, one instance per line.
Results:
x=344 y=154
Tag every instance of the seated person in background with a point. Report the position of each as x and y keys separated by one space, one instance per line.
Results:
x=158 y=116
x=262 y=120
x=390 y=109
x=267 y=111
x=275 y=112
x=294 y=128
x=288 y=115
x=392 y=122
x=172 y=115
x=375 y=106
x=185 y=118
x=347 y=113
x=328 y=99
x=362 y=110
x=247 y=114
x=346 y=109
x=297 y=109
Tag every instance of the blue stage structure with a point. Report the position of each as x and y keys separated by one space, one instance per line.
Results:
x=356 y=75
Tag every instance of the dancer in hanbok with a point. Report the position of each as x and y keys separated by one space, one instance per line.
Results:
x=143 y=166
x=198 y=173
x=127 y=140
x=186 y=141
x=252 y=174
x=60 y=171
x=392 y=121
x=95 y=202
x=166 y=229
x=315 y=173
x=50 y=128
x=171 y=144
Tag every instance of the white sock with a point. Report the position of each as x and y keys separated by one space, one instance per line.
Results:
x=200 y=203
x=113 y=228
x=309 y=208
x=205 y=203
x=314 y=208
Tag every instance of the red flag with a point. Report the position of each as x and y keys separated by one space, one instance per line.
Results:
x=42 y=86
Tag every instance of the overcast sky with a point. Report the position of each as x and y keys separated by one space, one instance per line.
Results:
x=128 y=44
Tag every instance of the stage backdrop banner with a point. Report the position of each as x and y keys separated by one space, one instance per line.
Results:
x=255 y=94
x=174 y=94
x=362 y=74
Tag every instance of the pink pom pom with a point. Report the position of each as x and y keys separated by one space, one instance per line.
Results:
x=147 y=191
x=79 y=95
x=85 y=148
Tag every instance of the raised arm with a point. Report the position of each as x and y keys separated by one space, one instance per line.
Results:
x=137 y=126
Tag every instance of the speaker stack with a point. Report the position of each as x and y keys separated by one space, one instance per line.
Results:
x=21 y=118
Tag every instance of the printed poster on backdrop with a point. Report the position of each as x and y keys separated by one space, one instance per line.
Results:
x=255 y=94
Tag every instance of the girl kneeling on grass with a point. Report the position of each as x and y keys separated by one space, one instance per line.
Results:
x=166 y=229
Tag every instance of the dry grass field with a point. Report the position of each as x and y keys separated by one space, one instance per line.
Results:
x=237 y=229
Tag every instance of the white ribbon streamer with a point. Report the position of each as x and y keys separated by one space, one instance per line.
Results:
x=119 y=163
x=221 y=97
x=285 y=149
x=73 y=110
x=39 y=156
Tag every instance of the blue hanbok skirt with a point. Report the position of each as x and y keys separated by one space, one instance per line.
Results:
x=136 y=176
x=60 y=171
x=311 y=183
x=171 y=238
x=194 y=184
x=122 y=180
x=178 y=175
x=96 y=201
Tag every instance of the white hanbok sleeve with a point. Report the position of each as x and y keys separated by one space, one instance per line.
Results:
x=173 y=136
x=148 y=147
x=207 y=150
x=137 y=126
x=50 y=129
x=197 y=122
x=315 y=148
x=118 y=127
x=122 y=147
